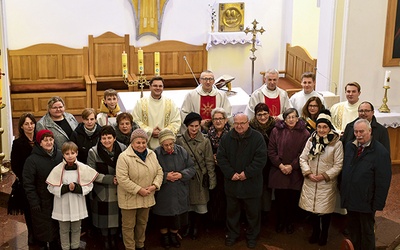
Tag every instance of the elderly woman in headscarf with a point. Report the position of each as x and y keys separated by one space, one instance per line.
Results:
x=321 y=161
x=172 y=201
x=199 y=148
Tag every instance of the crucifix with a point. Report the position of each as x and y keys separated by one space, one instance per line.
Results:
x=140 y=82
x=253 y=49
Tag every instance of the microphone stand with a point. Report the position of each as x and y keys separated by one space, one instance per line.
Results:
x=190 y=68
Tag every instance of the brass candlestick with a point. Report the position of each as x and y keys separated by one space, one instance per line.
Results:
x=140 y=82
x=384 y=108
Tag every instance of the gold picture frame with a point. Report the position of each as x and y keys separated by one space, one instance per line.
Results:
x=391 y=50
x=231 y=17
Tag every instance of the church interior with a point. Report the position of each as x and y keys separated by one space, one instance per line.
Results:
x=78 y=49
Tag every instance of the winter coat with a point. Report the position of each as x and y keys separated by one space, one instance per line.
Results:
x=201 y=147
x=285 y=146
x=36 y=169
x=246 y=153
x=173 y=197
x=21 y=150
x=365 y=179
x=320 y=197
x=134 y=174
x=59 y=134
x=84 y=141
x=105 y=210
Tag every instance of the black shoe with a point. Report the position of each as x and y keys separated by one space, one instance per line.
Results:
x=165 y=243
x=251 y=243
x=174 y=240
x=230 y=242
x=279 y=228
x=290 y=229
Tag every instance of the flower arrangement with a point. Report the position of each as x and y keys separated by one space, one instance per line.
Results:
x=213 y=15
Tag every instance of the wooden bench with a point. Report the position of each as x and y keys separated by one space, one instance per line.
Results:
x=41 y=71
x=298 y=61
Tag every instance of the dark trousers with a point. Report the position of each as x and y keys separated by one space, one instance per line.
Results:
x=252 y=208
x=287 y=202
x=361 y=230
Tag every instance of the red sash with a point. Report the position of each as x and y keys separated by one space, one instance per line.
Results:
x=274 y=105
x=207 y=103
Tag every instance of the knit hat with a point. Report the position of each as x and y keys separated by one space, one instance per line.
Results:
x=191 y=117
x=165 y=134
x=325 y=117
x=139 y=133
x=40 y=135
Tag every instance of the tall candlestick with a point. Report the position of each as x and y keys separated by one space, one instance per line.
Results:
x=124 y=65
x=387 y=78
x=140 y=62
x=157 y=63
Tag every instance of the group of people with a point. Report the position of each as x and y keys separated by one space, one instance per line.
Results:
x=109 y=167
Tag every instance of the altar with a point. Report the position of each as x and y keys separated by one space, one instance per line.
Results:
x=127 y=100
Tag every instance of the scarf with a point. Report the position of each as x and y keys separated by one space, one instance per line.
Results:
x=319 y=144
x=264 y=129
x=110 y=113
x=90 y=132
x=214 y=138
x=110 y=158
x=142 y=155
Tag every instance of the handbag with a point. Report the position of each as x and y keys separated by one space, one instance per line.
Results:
x=205 y=183
x=16 y=201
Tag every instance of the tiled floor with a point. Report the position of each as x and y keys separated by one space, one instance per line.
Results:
x=13 y=234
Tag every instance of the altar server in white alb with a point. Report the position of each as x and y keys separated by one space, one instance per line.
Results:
x=155 y=112
x=204 y=99
x=70 y=181
x=269 y=93
x=300 y=98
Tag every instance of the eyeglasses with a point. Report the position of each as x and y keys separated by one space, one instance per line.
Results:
x=218 y=119
x=262 y=114
x=364 y=111
x=292 y=117
x=55 y=108
x=168 y=145
x=240 y=123
x=207 y=79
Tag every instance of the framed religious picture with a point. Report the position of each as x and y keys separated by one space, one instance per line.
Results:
x=391 y=51
x=231 y=17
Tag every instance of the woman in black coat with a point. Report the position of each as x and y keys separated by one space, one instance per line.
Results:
x=87 y=134
x=45 y=156
x=21 y=149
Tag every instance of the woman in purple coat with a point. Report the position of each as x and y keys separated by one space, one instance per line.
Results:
x=286 y=143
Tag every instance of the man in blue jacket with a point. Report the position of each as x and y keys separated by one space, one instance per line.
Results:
x=365 y=184
x=242 y=155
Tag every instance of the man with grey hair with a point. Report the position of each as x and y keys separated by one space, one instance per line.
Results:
x=269 y=93
x=366 y=177
x=241 y=157
x=205 y=98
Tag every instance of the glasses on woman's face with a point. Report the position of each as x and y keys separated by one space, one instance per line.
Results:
x=218 y=119
x=259 y=115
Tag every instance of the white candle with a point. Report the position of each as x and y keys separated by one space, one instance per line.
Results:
x=387 y=78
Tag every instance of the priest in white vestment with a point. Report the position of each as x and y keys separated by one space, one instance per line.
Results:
x=204 y=98
x=300 y=98
x=155 y=112
x=345 y=112
x=276 y=98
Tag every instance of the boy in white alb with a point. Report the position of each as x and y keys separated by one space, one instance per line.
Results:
x=109 y=109
x=70 y=181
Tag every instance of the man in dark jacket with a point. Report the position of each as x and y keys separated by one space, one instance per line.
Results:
x=241 y=155
x=379 y=132
x=365 y=184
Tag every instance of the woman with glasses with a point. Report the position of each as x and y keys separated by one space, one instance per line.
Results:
x=264 y=123
x=217 y=203
x=199 y=148
x=61 y=123
x=310 y=112
x=286 y=143
x=172 y=201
